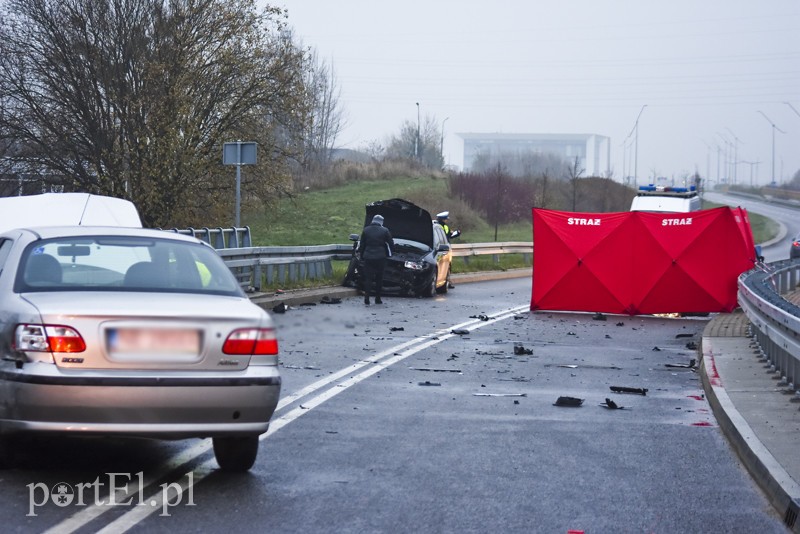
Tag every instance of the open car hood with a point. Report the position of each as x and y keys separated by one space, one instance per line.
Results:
x=403 y=219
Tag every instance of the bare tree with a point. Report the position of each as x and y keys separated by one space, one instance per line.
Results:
x=403 y=144
x=325 y=115
x=574 y=172
x=134 y=98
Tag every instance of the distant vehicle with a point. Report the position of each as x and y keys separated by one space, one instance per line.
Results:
x=125 y=331
x=794 y=248
x=421 y=261
x=666 y=199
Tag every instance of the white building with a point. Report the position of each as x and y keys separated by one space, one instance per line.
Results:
x=593 y=151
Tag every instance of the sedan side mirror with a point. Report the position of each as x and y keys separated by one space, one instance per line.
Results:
x=354 y=237
x=443 y=247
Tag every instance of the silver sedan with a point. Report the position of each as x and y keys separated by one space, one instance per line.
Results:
x=131 y=332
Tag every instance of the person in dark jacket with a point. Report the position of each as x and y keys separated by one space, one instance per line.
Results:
x=375 y=246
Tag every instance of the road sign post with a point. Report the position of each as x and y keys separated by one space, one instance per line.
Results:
x=239 y=153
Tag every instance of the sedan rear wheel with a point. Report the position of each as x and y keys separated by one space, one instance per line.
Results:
x=236 y=453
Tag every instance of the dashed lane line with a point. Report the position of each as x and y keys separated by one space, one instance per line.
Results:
x=161 y=500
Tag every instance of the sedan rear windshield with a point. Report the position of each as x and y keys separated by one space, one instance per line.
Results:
x=124 y=263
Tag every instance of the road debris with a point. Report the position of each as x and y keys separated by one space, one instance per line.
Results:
x=691 y=345
x=482 y=317
x=518 y=317
x=429 y=383
x=331 y=300
x=459 y=331
x=434 y=370
x=309 y=367
x=520 y=350
x=452 y=357
x=691 y=365
x=622 y=389
x=280 y=308
x=611 y=405
x=397 y=329
x=500 y=394
x=599 y=317
x=656 y=349
x=620 y=324
x=683 y=335
x=568 y=366
x=571 y=402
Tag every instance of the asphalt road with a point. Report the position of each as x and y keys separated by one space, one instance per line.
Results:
x=391 y=422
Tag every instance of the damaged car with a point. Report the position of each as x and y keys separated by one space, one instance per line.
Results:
x=420 y=265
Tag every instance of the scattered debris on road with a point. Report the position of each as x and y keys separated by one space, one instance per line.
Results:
x=434 y=370
x=691 y=365
x=570 y=402
x=331 y=300
x=280 y=308
x=397 y=329
x=459 y=331
x=611 y=405
x=429 y=383
x=622 y=389
x=656 y=349
x=520 y=350
x=500 y=394
x=309 y=367
x=568 y=366
x=482 y=317
x=599 y=317
x=683 y=335
x=691 y=345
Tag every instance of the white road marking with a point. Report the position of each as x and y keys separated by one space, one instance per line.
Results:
x=159 y=500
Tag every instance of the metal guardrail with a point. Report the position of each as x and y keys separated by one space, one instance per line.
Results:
x=257 y=266
x=775 y=321
x=219 y=238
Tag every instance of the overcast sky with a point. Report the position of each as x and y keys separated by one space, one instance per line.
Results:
x=703 y=69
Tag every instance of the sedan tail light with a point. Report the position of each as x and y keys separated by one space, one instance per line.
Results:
x=48 y=338
x=251 y=341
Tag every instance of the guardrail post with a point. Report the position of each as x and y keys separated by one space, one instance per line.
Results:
x=257 y=280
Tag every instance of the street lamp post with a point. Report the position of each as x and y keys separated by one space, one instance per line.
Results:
x=773 y=143
x=793 y=108
x=736 y=141
x=416 y=141
x=636 y=147
x=441 y=145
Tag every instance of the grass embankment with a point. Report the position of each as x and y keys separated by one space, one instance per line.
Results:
x=329 y=216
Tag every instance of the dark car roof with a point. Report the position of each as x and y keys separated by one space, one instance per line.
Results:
x=404 y=219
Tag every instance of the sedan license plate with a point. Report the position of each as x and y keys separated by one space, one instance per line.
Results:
x=148 y=344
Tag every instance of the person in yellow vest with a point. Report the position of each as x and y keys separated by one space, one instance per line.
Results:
x=442 y=219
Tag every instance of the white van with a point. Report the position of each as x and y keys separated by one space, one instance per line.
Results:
x=666 y=199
